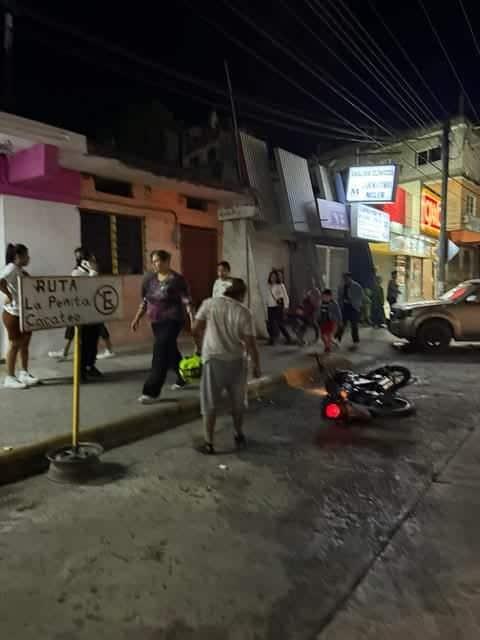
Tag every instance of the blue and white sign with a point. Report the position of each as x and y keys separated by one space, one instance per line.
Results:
x=369 y=223
x=333 y=215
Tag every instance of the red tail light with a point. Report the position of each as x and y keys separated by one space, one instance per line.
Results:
x=333 y=411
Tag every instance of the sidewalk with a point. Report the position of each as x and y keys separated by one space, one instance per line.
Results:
x=44 y=412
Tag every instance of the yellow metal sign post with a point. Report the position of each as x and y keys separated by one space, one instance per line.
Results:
x=77 y=344
x=52 y=302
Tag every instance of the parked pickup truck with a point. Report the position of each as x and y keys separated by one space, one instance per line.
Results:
x=431 y=325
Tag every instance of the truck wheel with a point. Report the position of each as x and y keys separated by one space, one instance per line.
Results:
x=434 y=335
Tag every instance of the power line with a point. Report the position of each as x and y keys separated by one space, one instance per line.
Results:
x=333 y=53
x=145 y=62
x=342 y=92
x=330 y=21
x=472 y=32
x=366 y=60
x=280 y=73
x=407 y=56
x=447 y=56
x=388 y=64
x=247 y=115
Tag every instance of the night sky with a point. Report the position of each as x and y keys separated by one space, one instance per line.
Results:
x=66 y=81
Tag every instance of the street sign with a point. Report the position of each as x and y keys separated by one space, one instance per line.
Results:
x=52 y=302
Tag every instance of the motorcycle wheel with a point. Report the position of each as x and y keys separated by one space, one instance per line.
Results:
x=394 y=407
x=400 y=376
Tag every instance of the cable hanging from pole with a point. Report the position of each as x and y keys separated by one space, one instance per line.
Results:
x=406 y=55
x=447 y=56
x=417 y=102
x=367 y=62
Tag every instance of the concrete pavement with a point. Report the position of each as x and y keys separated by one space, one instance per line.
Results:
x=309 y=533
x=29 y=417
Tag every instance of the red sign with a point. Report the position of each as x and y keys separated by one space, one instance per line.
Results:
x=397 y=209
x=430 y=213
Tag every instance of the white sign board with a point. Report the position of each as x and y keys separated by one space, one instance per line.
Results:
x=333 y=215
x=51 y=302
x=369 y=223
x=372 y=184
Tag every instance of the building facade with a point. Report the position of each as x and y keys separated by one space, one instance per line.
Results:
x=55 y=197
x=413 y=247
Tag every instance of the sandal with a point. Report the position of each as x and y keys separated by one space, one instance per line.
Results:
x=206 y=448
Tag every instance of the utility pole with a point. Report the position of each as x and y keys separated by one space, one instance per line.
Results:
x=443 y=244
x=236 y=134
x=7 y=76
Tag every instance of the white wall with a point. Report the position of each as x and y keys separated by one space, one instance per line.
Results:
x=51 y=231
x=265 y=252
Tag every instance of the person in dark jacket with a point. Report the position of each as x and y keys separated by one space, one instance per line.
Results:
x=378 y=303
x=350 y=298
x=393 y=290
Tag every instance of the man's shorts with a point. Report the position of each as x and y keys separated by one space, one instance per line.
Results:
x=219 y=376
x=12 y=325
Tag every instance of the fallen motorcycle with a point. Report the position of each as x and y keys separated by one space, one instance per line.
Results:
x=352 y=396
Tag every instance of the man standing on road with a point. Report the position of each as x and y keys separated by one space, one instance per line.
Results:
x=350 y=298
x=224 y=329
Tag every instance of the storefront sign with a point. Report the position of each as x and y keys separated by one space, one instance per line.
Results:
x=430 y=213
x=372 y=184
x=410 y=246
x=54 y=302
x=333 y=215
x=369 y=223
x=245 y=212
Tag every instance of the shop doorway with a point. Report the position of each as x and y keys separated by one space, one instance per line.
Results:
x=332 y=264
x=199 y=257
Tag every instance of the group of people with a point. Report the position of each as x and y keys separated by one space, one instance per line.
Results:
x=224 y=333
x=319 y=310
x=326 y=316
x=17 y=258
x=223 y=329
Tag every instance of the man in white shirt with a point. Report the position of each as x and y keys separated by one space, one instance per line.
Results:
x=224 y=328
x=224 y=281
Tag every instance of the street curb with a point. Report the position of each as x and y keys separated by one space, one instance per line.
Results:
x=31 y=459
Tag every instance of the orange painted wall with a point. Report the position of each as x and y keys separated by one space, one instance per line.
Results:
x=164 y=213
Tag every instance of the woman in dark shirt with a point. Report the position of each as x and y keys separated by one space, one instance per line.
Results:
x=165 y=297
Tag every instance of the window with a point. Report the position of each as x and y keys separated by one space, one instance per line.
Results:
x=428 y=156
x=471 y=205
x=129 y=244
x=113 y=187
x=125 y=255
x=197 y=203
x=95 y=234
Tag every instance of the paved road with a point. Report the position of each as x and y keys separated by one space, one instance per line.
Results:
x=308 y=534
x=43 y=412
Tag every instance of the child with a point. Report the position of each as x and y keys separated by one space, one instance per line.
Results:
x=329 y=320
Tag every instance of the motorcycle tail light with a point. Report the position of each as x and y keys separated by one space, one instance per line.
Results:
x=333 y=411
